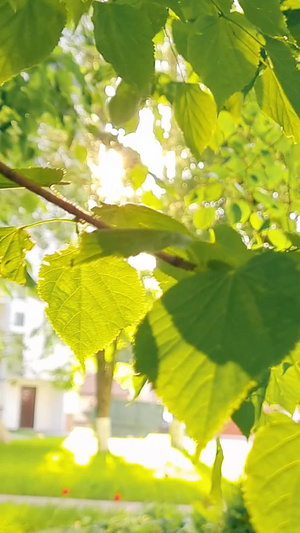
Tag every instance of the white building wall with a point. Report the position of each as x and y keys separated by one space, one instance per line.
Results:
x=24 y=316
x=11 y=406
x=49 y=417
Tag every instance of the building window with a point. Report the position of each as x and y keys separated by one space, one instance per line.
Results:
x=18 y=319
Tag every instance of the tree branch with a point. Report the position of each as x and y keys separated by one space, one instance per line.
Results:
x=175 y=261
x=80 y=213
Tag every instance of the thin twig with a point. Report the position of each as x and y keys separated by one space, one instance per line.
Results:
x=79 y=213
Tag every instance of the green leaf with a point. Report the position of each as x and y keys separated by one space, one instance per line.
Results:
x=137 y=175
x=137 y=216
x=213 y=191
x=181 y=33
x=193 y=388
x=77 y=8
x=123 y=36
x=216 y=476
x=248 y=316
x=150 y=199
x=196 y=114
x=244 y=417
x=257 y=222
x=125 y=104
x=154 y=11
x=28 y=33
x=175 y=6
x=225 y=53
x=238 y=212
x=14 y=243
x=228 y=249
x=286 y=69
x=127 y=242
x=274 y=102
x=278 y=238
x=88 y=305
x=258 y=395
x=167 y=275
x=293 y=22
x=284 y=388
x=290 y=4
x=265 y=15
x=193 y=9
x=204 y=217
x=294 y=238
x=42 y=176
x=273 y=470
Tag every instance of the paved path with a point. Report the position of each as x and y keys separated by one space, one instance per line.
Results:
x=106 y=505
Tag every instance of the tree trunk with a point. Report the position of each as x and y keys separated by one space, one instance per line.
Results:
x=105 y=370
x=177 y=434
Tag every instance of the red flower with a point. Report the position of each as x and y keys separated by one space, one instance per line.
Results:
x=117 y=497
x=65 y=492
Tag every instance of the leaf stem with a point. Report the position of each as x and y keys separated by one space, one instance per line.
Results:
x=50 y=220
x=79 y=213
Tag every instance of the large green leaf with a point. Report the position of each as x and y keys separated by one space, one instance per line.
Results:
x=89 y=304
x=248 y=315
x=284 y=388
x=224 y=51
x=274 y=102
x=228 y=250
x=123 y=36
x=138 y=216
x=175 y=6
x=265 y=15
x=42 y=176
x=167 y=275
x=196 y=114
x=125 y=104
x=286 y=69
x=272 y=487
x=293 y=22
x=127 y=242
x=192 y=9
x=14 y=243
x=181 y=32
x=194 y=389
x=29 y=30
x=153 y=9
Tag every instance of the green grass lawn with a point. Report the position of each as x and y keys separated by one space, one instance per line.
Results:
x=43 y=467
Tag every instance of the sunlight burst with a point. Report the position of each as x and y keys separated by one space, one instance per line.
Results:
x=83 y=444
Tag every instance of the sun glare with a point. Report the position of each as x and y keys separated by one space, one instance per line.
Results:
x=83 y=444
x=109 y=171
x=143 y=261
x=154 y=452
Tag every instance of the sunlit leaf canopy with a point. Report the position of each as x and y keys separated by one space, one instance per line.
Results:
x=218 y=83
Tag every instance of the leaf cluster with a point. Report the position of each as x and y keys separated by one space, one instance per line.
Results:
x=222 y=340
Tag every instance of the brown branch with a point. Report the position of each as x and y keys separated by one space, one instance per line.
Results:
x=80 y=213
x=175 y=261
